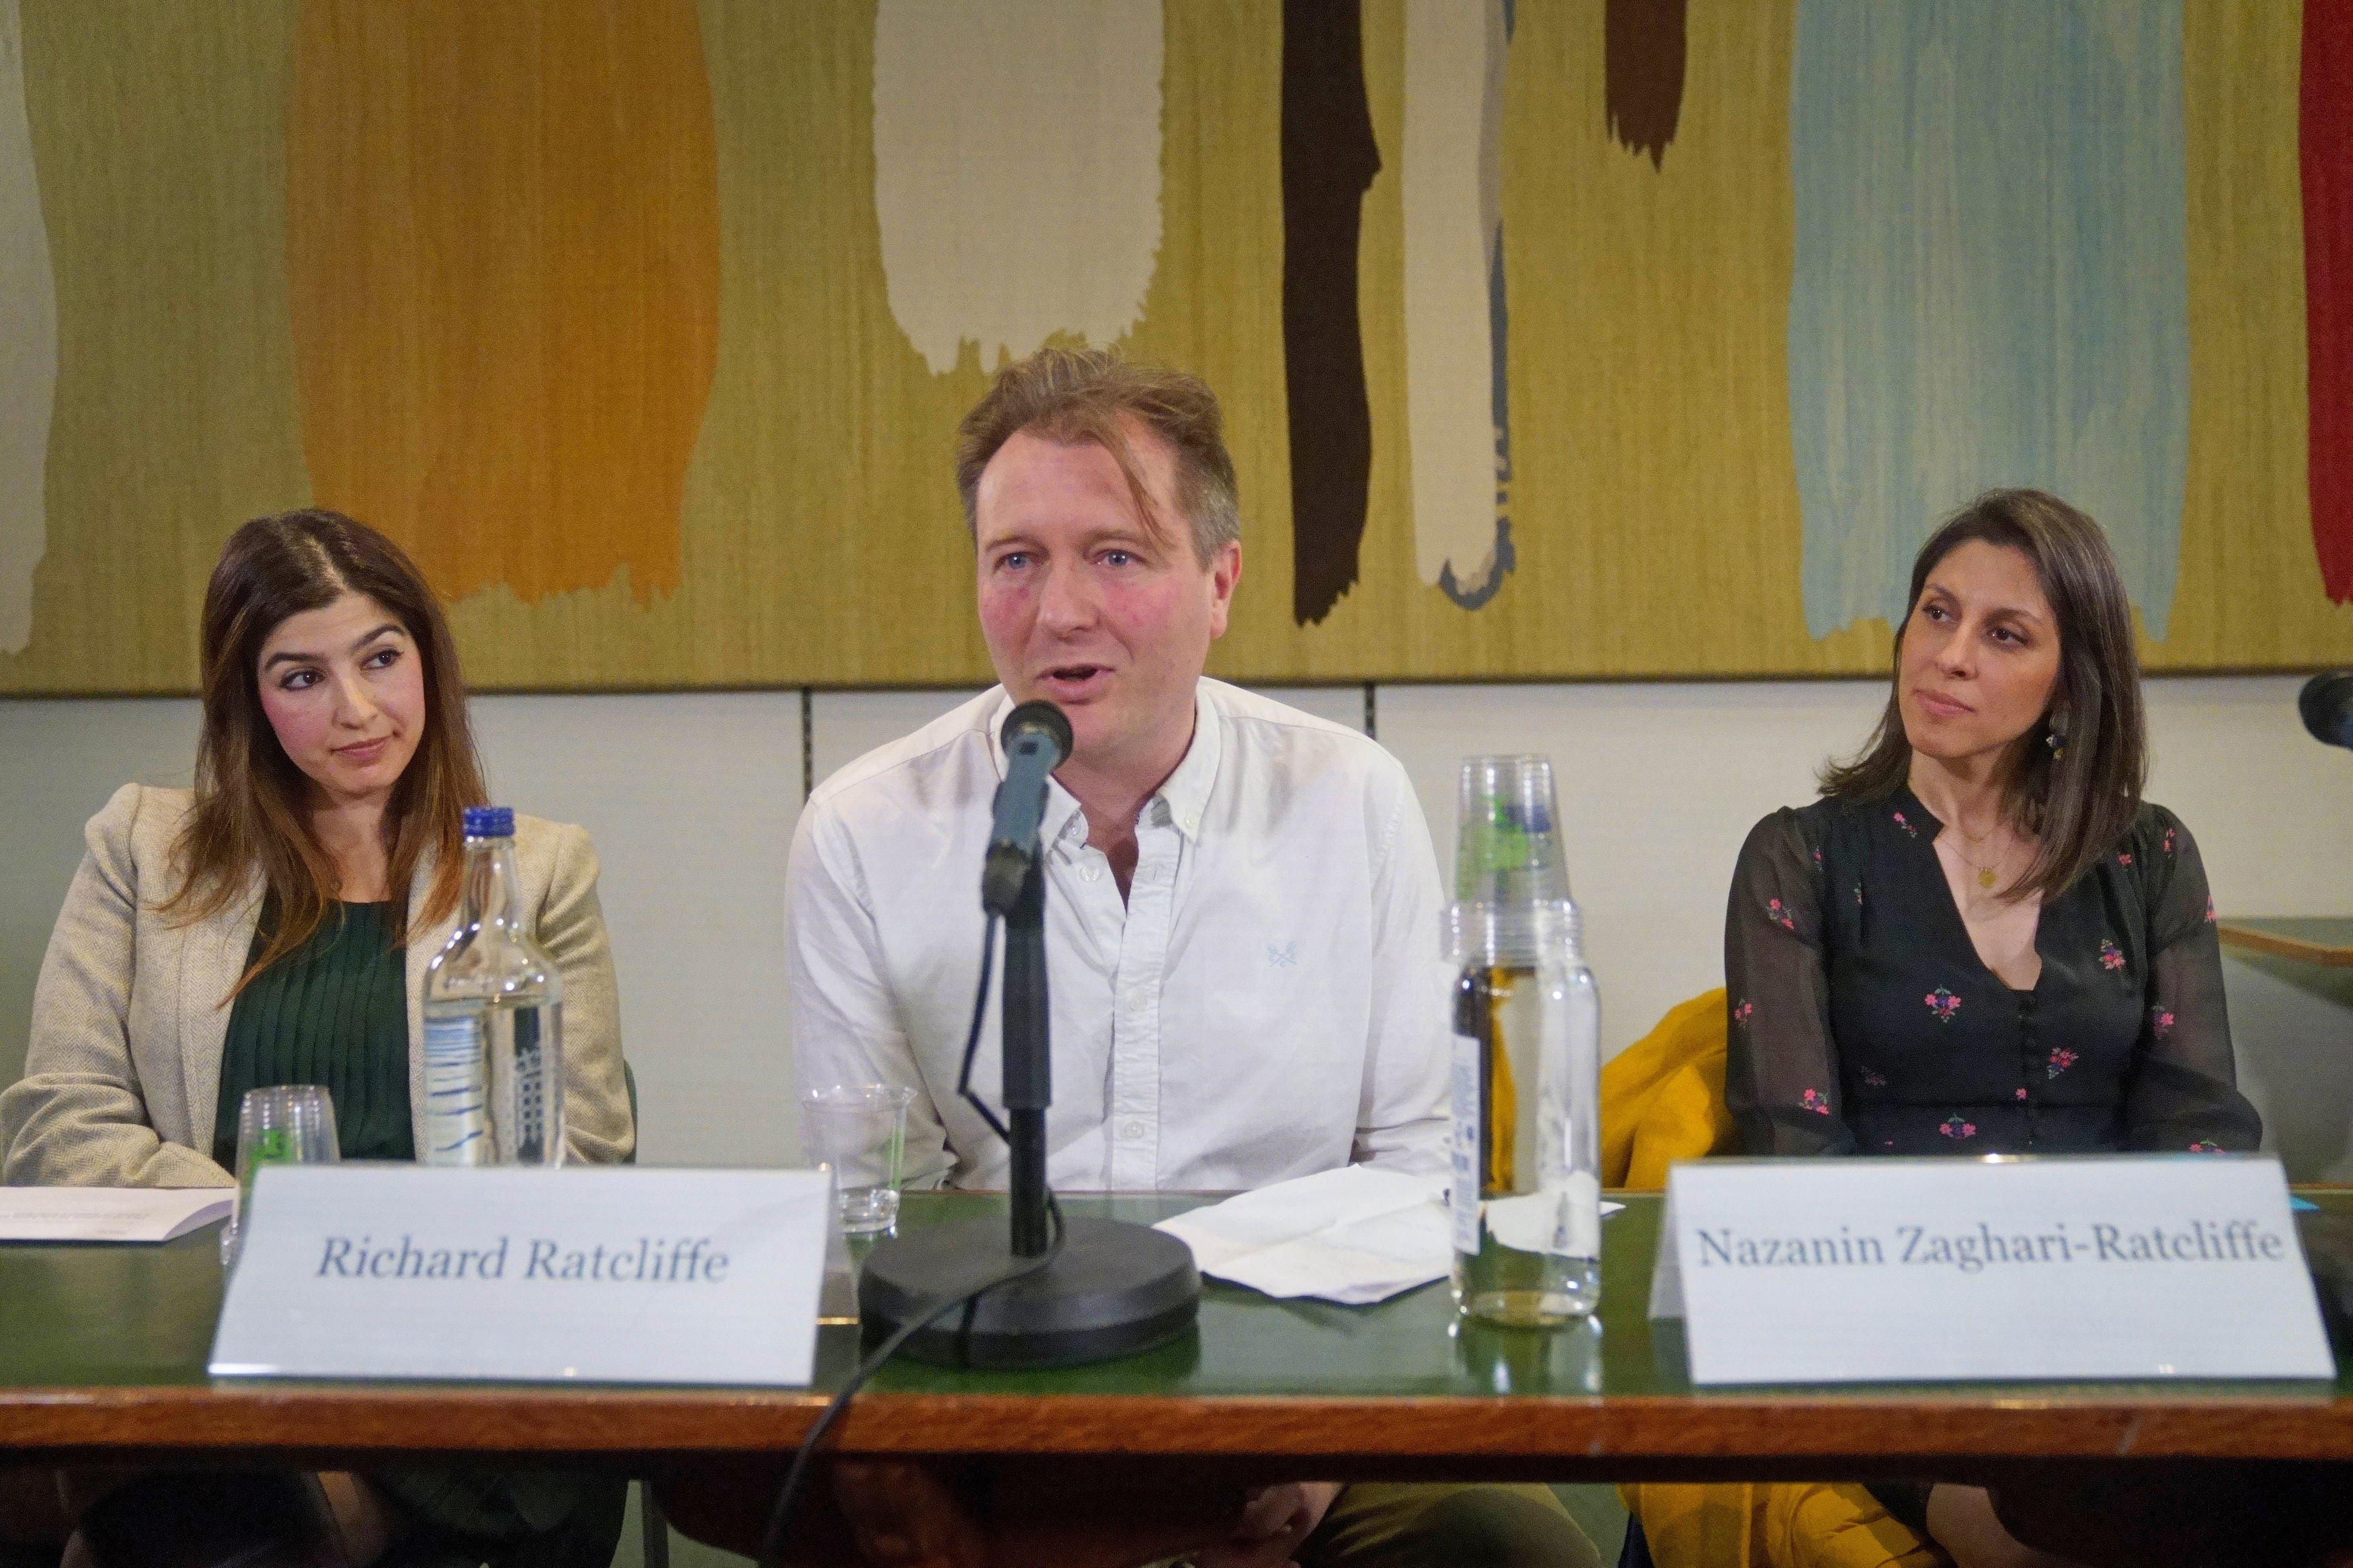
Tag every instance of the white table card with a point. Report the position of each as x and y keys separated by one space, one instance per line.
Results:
x=1905 y=1270
x=600 y=1274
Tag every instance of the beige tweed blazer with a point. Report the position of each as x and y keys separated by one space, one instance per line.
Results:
x=130 y=1015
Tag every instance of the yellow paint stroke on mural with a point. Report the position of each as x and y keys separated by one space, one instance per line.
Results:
x=2249 y=594
x=503 y=237
x=158 y=130
x=1654 y=505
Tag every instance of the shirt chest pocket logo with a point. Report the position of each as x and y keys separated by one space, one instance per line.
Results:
x=1283 y=955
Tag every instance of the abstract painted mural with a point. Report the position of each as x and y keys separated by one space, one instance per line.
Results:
x=28 y=347
x=1593 y=338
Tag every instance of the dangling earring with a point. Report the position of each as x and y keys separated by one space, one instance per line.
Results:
x=2057 y=737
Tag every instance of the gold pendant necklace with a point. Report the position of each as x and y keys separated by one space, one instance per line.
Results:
x=1987 y=875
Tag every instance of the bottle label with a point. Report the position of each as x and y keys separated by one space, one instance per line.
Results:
x=529 y=1136
x=456 y=1093
x=1464 y=1201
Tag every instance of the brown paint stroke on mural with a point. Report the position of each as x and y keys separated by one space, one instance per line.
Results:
x=502 y=236
x=1643 y=62
x=1329 y=159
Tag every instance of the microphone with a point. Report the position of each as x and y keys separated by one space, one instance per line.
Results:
x=2326 y=704
x=1037 y=739
x=1037 y=1289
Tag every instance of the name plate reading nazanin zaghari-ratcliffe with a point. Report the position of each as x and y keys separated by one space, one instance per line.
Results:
x=598 y=1275
x=1905 y=1270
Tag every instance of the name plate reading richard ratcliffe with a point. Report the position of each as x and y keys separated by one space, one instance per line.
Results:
x=2143 y=1267
x=598 y=1275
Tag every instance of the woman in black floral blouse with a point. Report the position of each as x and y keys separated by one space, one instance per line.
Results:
x=1981 y=940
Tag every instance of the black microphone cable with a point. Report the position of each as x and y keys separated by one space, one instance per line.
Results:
x=771 y=1540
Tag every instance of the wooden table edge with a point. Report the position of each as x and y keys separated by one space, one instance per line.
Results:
x=1625 y=1428
x=2279 y=946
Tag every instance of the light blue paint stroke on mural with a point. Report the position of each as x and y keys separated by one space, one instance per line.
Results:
x=1990 y=283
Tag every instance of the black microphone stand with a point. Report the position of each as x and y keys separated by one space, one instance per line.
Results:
x=1114 y=1288
x=1029 y=1061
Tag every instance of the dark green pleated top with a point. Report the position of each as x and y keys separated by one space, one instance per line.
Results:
x=334 y=1012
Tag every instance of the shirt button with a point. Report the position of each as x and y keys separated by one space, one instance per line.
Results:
x=1090 y=871
x=1132 y=1131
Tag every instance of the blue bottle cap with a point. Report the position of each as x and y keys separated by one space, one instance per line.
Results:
x=490 y=822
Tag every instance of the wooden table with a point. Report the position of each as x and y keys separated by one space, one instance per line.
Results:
x=102 y=1352
x=2326 y=941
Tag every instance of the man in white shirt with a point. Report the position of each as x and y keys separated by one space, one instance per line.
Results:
x=1242 y=901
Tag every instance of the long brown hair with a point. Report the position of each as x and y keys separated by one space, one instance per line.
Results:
x=2079 y=798
x=252 y=820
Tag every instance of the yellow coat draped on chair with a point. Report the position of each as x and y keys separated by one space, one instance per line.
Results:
x=1662 y=1100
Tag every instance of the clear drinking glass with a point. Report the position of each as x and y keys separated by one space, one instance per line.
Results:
x=859 y=1132
x=291 y=1124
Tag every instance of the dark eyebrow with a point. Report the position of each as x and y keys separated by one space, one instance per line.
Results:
x=297 y=658
x=2021 y=611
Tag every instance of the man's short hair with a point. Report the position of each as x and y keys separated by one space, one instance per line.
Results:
x=1071 y=396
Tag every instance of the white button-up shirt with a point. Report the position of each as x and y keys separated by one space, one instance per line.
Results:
x=1268 y=1001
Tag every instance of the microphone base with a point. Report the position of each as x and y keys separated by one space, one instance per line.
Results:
x=1115 y=1289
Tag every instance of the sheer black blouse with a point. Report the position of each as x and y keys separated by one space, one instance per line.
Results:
x=1862 y=1021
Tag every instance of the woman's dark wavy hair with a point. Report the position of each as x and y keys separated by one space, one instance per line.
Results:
x=2077 y=806
x=251 y=825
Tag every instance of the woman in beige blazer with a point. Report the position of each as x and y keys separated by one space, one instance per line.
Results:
x=129 y=1017
x=122 y=1071
x=323 y=835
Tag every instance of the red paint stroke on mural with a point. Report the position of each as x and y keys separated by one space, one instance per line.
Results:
x=1642 y=51
x=2325 y=133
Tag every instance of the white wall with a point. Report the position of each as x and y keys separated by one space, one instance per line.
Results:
x=691 y=800
x=58 y=764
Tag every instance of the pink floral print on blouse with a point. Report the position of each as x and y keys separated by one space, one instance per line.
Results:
x=1922 y=1074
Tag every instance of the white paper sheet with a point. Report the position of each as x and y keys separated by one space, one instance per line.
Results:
x=108 y=1214
x=1354 y=1235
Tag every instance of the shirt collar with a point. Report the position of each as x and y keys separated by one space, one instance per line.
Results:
x=1185 y=793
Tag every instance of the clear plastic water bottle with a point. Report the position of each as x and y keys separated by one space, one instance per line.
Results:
x=493 y=1020
x=1527 y=1078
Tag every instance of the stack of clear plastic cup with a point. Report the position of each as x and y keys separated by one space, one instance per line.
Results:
x=1527 y=1064
x=290 y=1124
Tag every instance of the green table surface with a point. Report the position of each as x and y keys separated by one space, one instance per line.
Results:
x=102 y=1350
